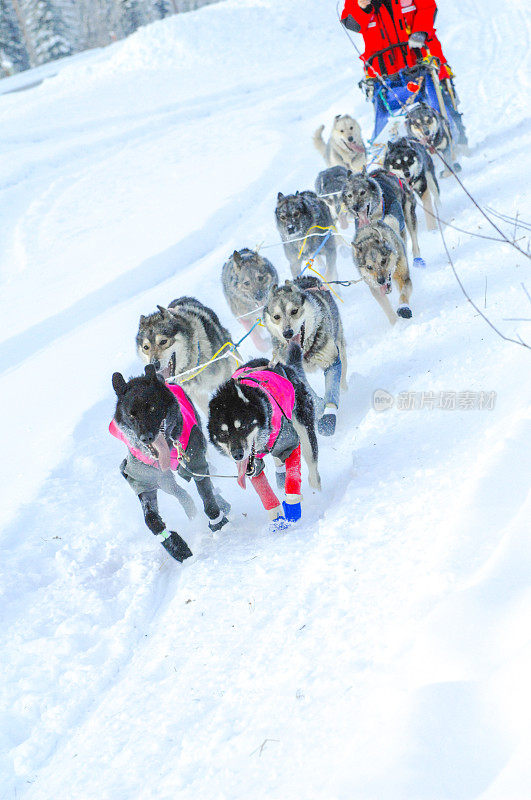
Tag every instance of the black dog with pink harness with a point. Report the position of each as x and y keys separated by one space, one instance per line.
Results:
x=160 y=427
x=262 y=411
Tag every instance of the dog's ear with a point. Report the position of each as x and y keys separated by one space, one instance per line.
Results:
x=280 y=197
x=337 y=116
x=166 y=313
x=118 y=383
x=237 y=260
x=349 y=173
x=142 y=319
x=364 y=171
x=290 y=286
x=297 y=193
x=152 y=375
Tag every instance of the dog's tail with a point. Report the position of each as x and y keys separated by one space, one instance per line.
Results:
x=319 y=142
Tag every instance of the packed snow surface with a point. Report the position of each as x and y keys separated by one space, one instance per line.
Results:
x=381 y=649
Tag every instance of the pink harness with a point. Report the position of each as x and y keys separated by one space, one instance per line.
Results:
x=189 y=420
x=280 y=393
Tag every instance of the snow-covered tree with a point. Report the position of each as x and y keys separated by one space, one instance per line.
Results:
x=162 y=8
x=97 y=23
x=46 y=29
x=135 y=14
x=35 y=31
x=13 y=53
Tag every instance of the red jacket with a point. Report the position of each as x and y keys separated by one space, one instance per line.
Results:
x=381 y=29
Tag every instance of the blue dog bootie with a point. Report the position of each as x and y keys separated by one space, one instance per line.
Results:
x=277 y=519
x=292 y=511
x=279 y=524
x=419 y=263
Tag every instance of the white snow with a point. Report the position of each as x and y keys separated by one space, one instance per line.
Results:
x=381 y=650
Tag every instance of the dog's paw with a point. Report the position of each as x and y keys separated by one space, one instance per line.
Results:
x=218 y=523
x=292 y=511
x=404 y=312
x=279 y=524
x=154 y=522
x=326 y=426
x=223 y=504
x=175 y=545
x=419 y=263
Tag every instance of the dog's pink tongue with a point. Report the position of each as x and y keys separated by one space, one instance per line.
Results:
x=356 y=148
x=163 y=452
x=363 y=218
x=242 y=471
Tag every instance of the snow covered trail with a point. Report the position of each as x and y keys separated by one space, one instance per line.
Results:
x=381 y=649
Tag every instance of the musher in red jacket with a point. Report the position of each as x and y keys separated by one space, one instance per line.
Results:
x=396 y=33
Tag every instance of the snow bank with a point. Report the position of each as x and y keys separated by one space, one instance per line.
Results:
x=379 y=650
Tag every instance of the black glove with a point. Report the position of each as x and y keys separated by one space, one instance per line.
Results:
x=417 y=40
x=350 y=23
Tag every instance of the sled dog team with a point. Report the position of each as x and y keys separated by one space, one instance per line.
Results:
x=267 y=407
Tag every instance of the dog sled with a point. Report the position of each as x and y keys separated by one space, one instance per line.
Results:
x=393 y=96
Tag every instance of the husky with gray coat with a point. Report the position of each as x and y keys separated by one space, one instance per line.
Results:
x=181 y=337
x=345 y=146
x=246 y=279
x=430 y=128
x=303 y=311
x=380 y=256
x=380 y=195
x=328 y=186
x=300 y=215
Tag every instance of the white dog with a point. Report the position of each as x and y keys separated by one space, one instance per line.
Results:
x=345 y=146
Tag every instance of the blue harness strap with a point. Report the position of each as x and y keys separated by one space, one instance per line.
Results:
x=325 y=239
